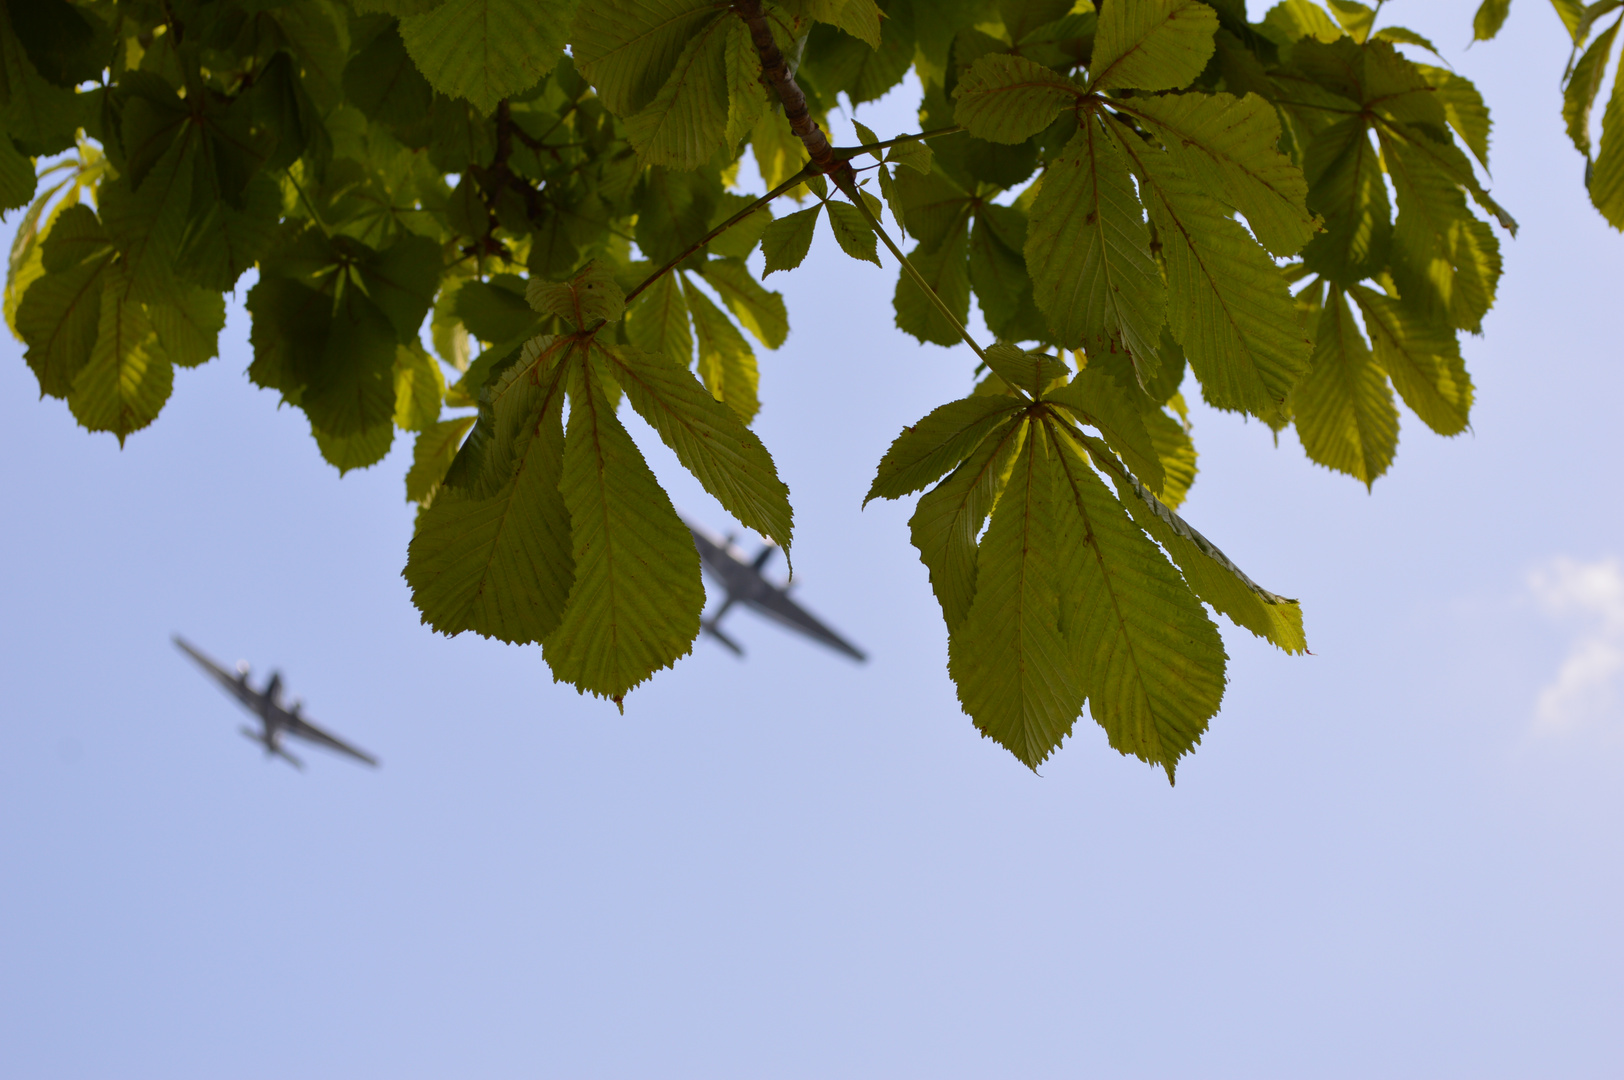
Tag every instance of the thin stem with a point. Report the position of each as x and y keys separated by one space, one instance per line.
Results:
x=937 y=302
x=853 y=151
x=794 y=181
x=315 y=214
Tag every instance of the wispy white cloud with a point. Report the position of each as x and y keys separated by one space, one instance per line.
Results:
x=1589 y=595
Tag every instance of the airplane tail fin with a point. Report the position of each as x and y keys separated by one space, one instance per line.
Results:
x=715 y=631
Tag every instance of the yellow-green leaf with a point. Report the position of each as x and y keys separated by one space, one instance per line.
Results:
x=708 y=438
x=634 y=606
x=1010 y=657
x=1008 y=99
x=486 y=50
x=1088 y=250
x=1345 y=413
x=1149 y=659
x=927 y=449
x=1152 y=44
x=949 y=517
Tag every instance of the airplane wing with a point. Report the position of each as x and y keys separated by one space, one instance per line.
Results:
x=236 y=688
x=794 y=616
x=304 y=729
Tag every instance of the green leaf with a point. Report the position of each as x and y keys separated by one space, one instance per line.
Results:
x=219 y=247
x=658 y=321
x=852 y=233
x=128 y=378
x=1293 y=20
x=841 y=63
x=501 y=565
x=1010 y=657
x=402 y=280
x=859 y=18
x=1606 y=179
x=42 y=118
x=1356 y=18
x=1490 y=17
x=747 y=98
x=419 y=388
x=17 y=180
x=360 y=450
x=1008 y=99
x=946 y=272
x=1175 y=450
x=708 y=438
x=1152 y=44
x=62 y=43
x=486 y=50
x=634 y=607
x=432 y=454
x=1400 y=35
x=928 y=449
x=1094 y=398
x=786 y=241
x=1030 y=371
x=189 y=324
x=581 y=301
x=1148 y=657
x=628 y=50
x=1572 y=13
x=933 y=206
x=59 y=317
x=687 y=120
x=726 y=363
x=1208 y=571
x=148 y=225
x=1579 y=96
x=1348 y=188
x=1003 y=288
x=1444 y=260
x=1345 y=413
x=1423 y=360
x=1088 y=250
x=949 y=517
x=759 y=310
x=496 y=311
x=1227 y=145
x=385 y=84
x=1464 y=108
x=1229 y=307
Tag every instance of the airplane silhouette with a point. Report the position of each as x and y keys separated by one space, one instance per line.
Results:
x=741 y=577
x=275 y=719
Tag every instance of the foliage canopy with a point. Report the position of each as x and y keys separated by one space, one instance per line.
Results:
x=1290 y=211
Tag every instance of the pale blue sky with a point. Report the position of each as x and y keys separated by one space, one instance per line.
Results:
x=1379 y=863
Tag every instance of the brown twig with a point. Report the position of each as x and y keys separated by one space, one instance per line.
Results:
x=776 y=72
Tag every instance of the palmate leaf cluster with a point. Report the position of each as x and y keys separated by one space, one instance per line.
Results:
x=495 y=223
x=1594 y=30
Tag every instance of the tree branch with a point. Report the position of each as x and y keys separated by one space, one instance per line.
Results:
x=776 y=72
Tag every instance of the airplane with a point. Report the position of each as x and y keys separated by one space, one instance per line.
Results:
x=275 y=719
x=742 y=578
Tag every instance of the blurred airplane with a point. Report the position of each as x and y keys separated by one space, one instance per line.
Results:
x=742 y=578
x=275 y=720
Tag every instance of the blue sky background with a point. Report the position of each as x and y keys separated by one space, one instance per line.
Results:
x=1384 y=860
